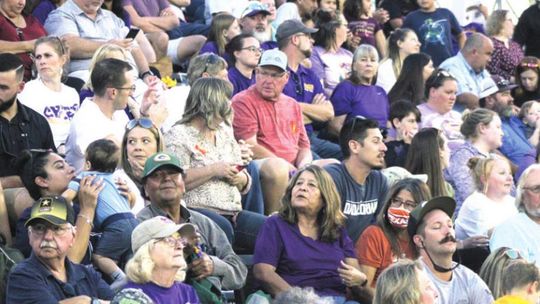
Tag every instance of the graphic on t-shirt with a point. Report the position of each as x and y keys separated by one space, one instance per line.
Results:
x=360 y=208
x=433 y=31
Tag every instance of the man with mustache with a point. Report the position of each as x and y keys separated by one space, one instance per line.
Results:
x=361 y=186
x=48 y=276
x=432 y=232
x=20 y=127
x=254 y=21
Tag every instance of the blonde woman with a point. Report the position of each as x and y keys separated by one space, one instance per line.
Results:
x=158 y=265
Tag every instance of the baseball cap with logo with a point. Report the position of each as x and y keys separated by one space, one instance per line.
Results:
x=444 y=203
x=274 y=57
x=54 y=209
x=159 y=160
x=156 y=228
x=253 y=8
x=291 y=27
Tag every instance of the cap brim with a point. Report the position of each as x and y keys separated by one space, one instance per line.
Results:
x=49 y=218
x=162 y=166
x=253 y=13
x=444 y=203
x=508 y=88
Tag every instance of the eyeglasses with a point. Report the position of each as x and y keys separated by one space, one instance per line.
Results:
x=210 y=60
x=298 y=85
x=274 y=76
x=173 y=241
x=131 y=88
x=512 y=254
x=397 y=202
x=143 y=122
x=41 y=229
x=253 y=49
x=533 y=189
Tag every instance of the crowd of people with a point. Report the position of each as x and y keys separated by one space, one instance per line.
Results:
x=301 y=151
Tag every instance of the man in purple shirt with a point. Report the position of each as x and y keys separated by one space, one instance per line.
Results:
x=305 y=86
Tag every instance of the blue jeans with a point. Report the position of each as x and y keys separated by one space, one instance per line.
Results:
x=254 y=200
x=188 y=29
x=322 y=148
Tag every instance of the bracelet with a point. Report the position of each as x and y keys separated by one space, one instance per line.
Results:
x=87 y=218
x=149 y=72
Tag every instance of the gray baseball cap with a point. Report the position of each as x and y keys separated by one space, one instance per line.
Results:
x=291 y=27
x=274 y=57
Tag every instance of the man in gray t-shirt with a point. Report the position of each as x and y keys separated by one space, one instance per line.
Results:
x=432 y=231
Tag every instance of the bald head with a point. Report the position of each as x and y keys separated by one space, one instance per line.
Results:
x=477 y=51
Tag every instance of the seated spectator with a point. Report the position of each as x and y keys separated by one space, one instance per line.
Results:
x=20 y=127
x=468 y=67
x=411 y=83
x=295 y=10
x=515 y=144
x=158 y=265
x=254 y=21
x=47 y=95
x=429 y=154
x=48 y=271
x=529 y=115
x=520 y=284
x=386 y=242
x=405 y=282
x=164 y=186
x=308 y=234
x=432 y=232
x=483 y=135
x=156 y=19
x=244 y=53
x=520 y=231
x=364 y=26
x=45 y=173
x=507 y=54
x=43 y=8
x=113 y=218
x=281 y=143
x=357 y=95
x=404 y=117
x=223 y=29
x=527 y=74
x=493 y=267
x=401 y=43
x=491 y=203
x=329 y=60
x=87 y=27
x=441 y=88
x=360 y=184
x=215 y=174
x=19 y=33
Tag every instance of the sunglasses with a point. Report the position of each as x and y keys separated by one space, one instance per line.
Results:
x=143 y=122
x=210 y=60
x=298 y=86
x=512 y=254
x=532 y=65
x=355 y=119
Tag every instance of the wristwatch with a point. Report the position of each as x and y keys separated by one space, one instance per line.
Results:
x=95 y=301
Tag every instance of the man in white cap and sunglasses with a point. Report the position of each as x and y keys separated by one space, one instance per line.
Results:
x=431 y=229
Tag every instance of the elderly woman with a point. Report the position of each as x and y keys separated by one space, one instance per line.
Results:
x=329 y=60
x=47 y=95
x=506 y=53
x=357 y=95
x=387 y=241
x=19 y=32
x=157 y=266
x=306 y=244
x=405 y=283
x=215 y=176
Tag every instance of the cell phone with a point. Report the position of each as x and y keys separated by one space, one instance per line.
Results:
x=132 y=33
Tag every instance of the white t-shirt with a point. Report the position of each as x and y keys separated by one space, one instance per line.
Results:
x=286 y=11
x=465 y=287
x=90 y=124
x=386 y=78
x=479 y=214
x=521 y=233
x=57 y=107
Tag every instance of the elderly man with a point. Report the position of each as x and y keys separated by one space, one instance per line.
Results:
x=431 y=229
x=254 y=21
x=522 y=231
x=469 y=68
x=272 y=123
x=48 y=276
x=163 y=185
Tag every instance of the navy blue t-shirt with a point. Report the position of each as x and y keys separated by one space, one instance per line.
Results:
x=360 y=203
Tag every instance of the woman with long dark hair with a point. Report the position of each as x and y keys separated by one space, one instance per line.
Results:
x=410 y=84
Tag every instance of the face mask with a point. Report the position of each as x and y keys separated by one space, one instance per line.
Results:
x=398 y=218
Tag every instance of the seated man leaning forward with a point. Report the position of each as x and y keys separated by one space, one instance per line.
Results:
x=48 y=276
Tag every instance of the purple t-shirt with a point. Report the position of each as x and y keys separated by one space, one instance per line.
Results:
x=365 y=29
x=209 y=47
x=369 y=101
x=147 y=8
x=239 y=81
x=42 y=10
x=177 y=293
x=300 y=260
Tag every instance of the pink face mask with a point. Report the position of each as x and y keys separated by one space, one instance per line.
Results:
x=398 y=218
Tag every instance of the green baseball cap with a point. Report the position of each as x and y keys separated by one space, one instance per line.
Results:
x=54 y=209
x=159 y=160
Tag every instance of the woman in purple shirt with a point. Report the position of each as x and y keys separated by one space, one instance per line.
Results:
x=357 y=95
x=306 y=244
